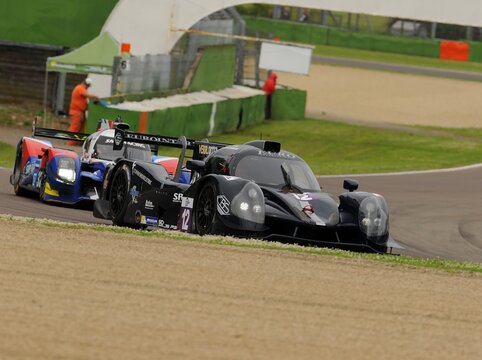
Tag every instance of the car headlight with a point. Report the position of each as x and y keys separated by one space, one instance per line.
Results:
x=373 y=216
x=66 y=170
x=248 y=204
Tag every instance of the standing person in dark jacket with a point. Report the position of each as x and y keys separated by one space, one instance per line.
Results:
x=269 y=88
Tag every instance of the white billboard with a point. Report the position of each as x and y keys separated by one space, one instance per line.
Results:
x=288 y=58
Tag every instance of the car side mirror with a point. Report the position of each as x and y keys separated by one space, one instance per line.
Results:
x=195 y=165
x=350 y=185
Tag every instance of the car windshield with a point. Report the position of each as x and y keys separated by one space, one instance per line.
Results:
x=103 y=149
x=268 y=171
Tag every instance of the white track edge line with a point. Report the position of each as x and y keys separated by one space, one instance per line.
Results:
x=420 y=172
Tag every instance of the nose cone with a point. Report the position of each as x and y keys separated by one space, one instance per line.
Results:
x=315 y=208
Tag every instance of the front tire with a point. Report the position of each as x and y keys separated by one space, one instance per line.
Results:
x=118 y=198
x=206 y=217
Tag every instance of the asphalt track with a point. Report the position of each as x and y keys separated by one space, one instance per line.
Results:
x=400 y=68
x=435 y=214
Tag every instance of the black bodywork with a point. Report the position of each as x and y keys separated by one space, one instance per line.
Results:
x=253 y=190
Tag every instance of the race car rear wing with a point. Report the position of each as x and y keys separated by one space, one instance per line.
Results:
x=57 y=134
x=201 y=148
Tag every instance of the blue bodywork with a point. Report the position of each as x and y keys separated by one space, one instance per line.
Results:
x=86 y=186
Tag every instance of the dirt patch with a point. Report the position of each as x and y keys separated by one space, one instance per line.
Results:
x=78 y=294
x=359 y=95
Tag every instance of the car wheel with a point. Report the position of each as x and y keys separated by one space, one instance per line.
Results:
x=118 y=198
x=43 y=174
x=17 y=175
x=205 y=213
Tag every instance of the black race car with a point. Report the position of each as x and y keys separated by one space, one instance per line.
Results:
x=253 y=190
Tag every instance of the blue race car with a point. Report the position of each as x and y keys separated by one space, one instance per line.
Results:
x=60 y=175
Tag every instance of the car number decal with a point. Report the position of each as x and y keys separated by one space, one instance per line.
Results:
x=184 y=222
x=303 y=197
x=223 y=205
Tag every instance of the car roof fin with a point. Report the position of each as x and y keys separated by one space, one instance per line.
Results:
x=266 y=145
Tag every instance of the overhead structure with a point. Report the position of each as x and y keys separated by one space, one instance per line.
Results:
x=97 y=56
x=153 y=26
x=148 y=24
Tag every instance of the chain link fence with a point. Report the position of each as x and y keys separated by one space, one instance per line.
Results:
x=162 y=72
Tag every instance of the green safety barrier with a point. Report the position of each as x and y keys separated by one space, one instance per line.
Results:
x=97 y=112
x=287 y=30
x=227 y=116
x=288 y=104
x=252 y=110
x=406 y=46
x=170 y=122
x=349 y=39
x=191 y=121
x=320 y=35
x=475 y=53
x=216 y=69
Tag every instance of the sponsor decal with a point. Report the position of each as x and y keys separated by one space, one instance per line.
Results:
x=303 y=197
x=134 y=194
x=149 y=205
x=177 y=197
x=108 y=141
x=117 y=139
x=187 y=202
x=163 y=225
x=207 y=149
x=50 y=191
x=282 y=155
x=149 y=220
x=141 y=176
x=223 y=205
x=231 y=178
x=28 y=168
x=153 y=139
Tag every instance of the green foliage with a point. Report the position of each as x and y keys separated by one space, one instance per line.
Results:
x=451 y=32
x=255 y=10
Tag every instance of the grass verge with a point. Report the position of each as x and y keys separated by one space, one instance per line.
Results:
x=337 y=148
x=7 y=155
x=397 y=58
x=469 y=133
x=444 y=265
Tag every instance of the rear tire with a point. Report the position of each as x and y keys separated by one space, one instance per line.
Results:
x=118 y=197
x=206 y=217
